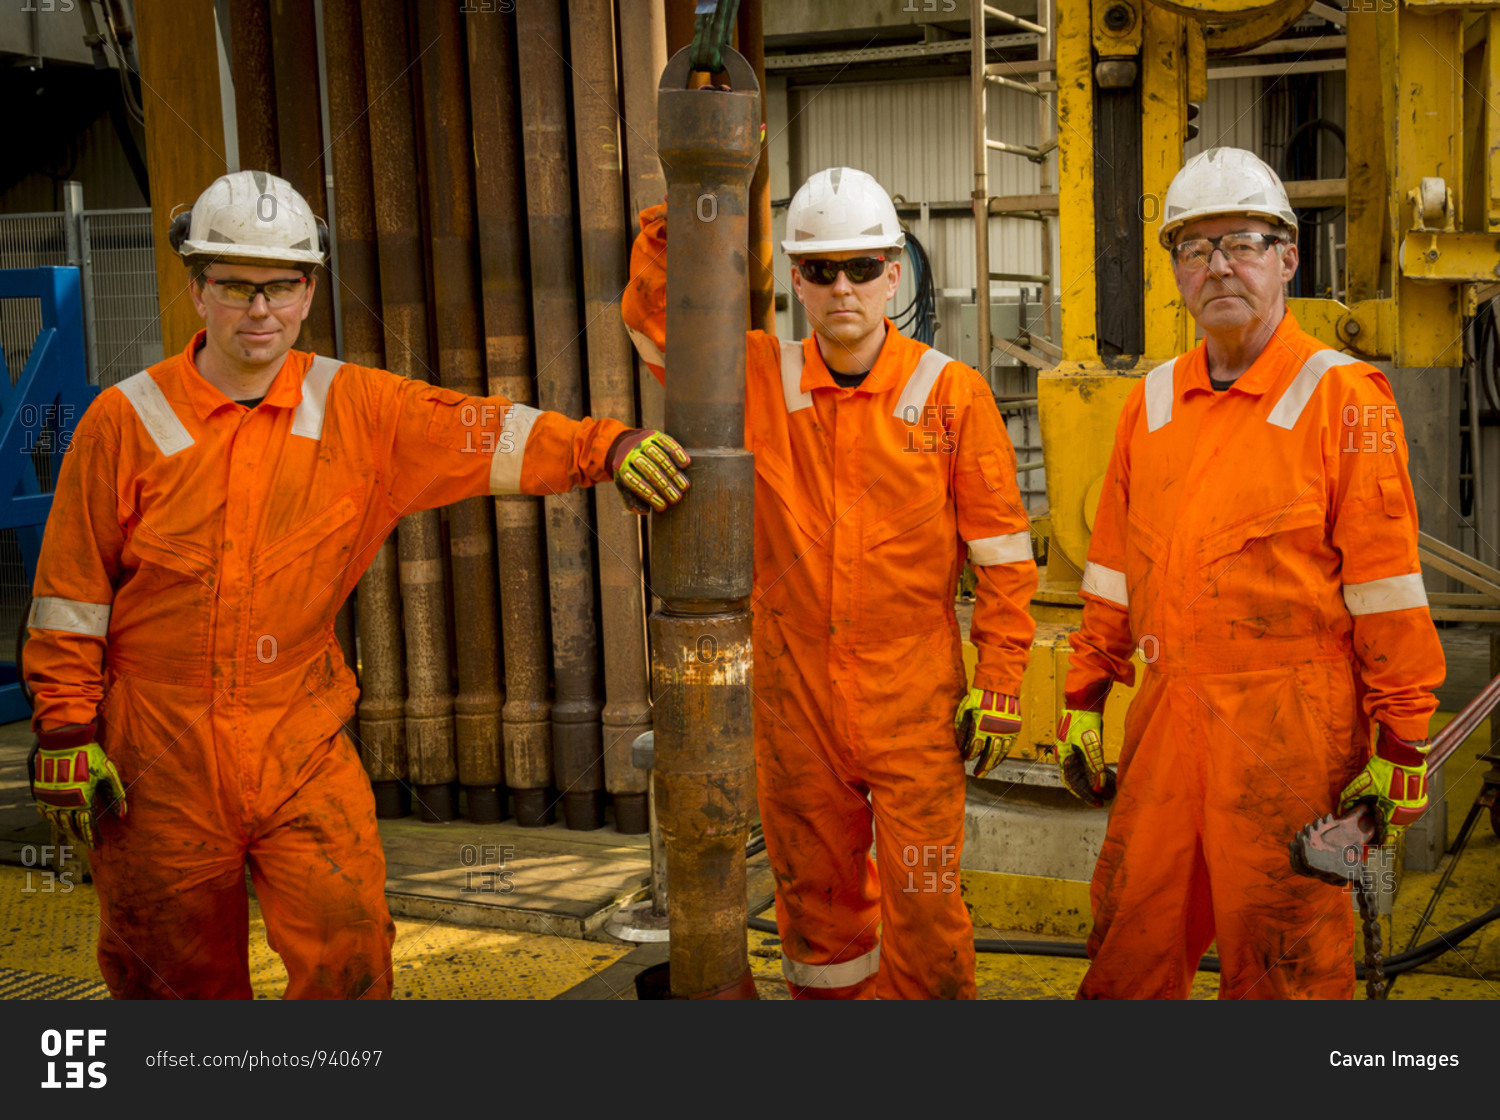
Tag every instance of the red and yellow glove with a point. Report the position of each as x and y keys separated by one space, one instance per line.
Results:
x=986 y=725
x=1395 y=780
x=67 y=770
x=1080 y=757
x=644 y=464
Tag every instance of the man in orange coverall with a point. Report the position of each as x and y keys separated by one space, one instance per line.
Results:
x=212 y=515
x=878 y=462
x=1257 y=539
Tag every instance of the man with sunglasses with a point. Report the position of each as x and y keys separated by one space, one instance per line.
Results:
x=1257 y=521
x=212 y=515
x=881 y=464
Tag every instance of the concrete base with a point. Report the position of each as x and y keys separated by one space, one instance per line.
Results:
x=1029 y=830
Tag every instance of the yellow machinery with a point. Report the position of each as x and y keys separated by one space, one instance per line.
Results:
x=1422 y=203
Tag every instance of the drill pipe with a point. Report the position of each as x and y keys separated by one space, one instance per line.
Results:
x=299 y=132
x=518 y=518
x=403 y=307
x=541 y=43
x=643 y=40
x=702 y=548
x=382 y=679
x=254 y=87
x=762 y=282
x=460 y=342
x=606 y=272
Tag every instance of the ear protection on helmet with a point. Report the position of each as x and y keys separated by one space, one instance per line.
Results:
x=177 y=233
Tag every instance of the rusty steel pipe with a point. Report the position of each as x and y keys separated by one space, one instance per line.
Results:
x=527 y=727
x=299 y=132
x=254 y=85
x=752 y=44
x=403 y=308
x=643 y=49
x=542 y=46
x=382 y=678
x=606 y=271
x=460 y=349
x=701 y=549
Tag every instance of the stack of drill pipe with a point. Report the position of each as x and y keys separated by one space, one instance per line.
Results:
x=518 y=519
x=460 y=340
x=382 y=679
x=403 y=308
x=702 y=548
x=752 y=44
x=541 y=45
x=605 y=245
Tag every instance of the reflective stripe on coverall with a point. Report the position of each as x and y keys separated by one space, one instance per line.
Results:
x=865 y=500
x=194 y=560
x=1260 y=546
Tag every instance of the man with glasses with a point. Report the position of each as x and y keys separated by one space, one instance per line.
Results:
x=211 y=517
x=880 y=465
x=1257 y=522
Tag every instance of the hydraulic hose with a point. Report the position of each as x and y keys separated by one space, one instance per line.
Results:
x=1072 y=950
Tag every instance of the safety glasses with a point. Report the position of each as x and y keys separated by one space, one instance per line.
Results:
x=1238 y=248
x=860 y=270
x=242 y=293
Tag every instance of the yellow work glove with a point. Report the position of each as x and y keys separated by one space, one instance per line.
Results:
x=67 y=770
x=1080 y=757
x=1395 y=780
x=644 y=464
x=986 y=725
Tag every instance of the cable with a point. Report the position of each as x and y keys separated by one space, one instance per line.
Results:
x=1072 y=950
x=918 y=319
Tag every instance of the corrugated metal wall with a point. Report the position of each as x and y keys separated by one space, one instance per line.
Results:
x=1230 y=117
x=914 y=137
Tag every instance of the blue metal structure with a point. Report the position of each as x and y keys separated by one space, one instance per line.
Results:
x=37 y=417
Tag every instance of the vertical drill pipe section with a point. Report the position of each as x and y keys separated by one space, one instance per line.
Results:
x=254 y=85
x=702 y=548
x=299 y=127
x=762 y=281
x=403 y=306
x=643 y=51
x=460 y=348
x=527 y=726
x=542 y=45
x=601 y=221
x=382 y=680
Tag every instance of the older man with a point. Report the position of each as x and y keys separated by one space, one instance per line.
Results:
x=212 y=515
x=1257 y=524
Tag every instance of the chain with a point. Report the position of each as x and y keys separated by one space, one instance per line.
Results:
x=1375 y=986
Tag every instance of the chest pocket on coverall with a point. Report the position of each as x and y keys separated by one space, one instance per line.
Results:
x=1243 y=580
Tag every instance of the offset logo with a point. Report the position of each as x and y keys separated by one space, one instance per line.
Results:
x=74 y=1046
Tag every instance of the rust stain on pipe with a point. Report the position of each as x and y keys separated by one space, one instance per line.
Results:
x=627 y=712
x=527 y=728
x=542 y=47
x=254 y=85
x=460 y=348
x=702 y=547
x=762 y=281
x=403 y=306
x=382 y=677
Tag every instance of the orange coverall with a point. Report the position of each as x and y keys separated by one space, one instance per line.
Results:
x=1259 y=545
x=194 y=560
x=865 y=500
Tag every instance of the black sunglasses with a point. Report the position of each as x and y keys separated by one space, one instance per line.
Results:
x=860 y=270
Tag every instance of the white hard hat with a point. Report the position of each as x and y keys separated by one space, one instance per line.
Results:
x=838 y=209
x=1221 y=182
x=250 y=216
